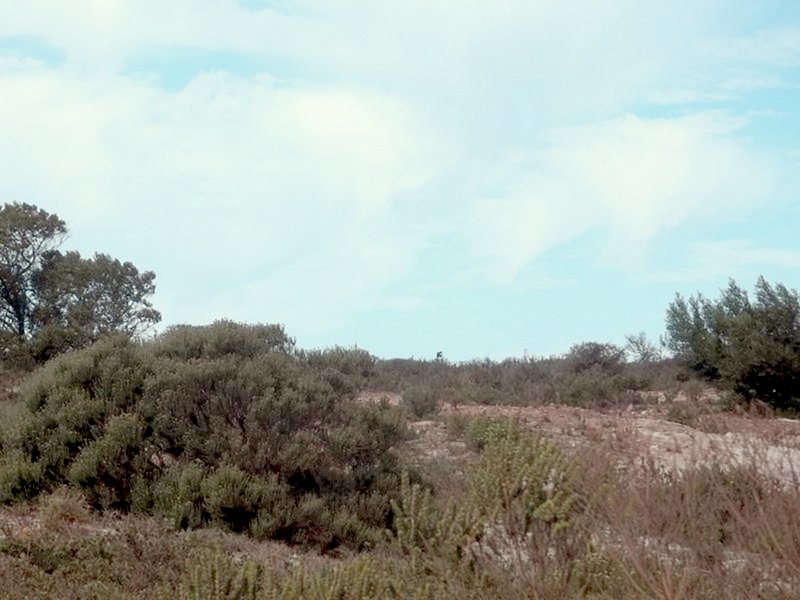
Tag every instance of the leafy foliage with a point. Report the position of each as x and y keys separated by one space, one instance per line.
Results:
x=27 y=234
x=751 y=345
x=52 y=302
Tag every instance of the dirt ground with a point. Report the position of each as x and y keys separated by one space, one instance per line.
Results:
x=671 y=434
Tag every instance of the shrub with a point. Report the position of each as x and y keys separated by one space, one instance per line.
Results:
x=219 y=425
x=587 y=355
x=421 y=401
x=222 y=338
x=524 y=481
x=353 y=362
x=106 y=467
x=213 y=576
x=20 y=478
x=178 y=495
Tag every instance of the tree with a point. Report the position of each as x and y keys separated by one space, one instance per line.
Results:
x=27 y=234
x=53 y=301
x=749 y=345
x=641 y=349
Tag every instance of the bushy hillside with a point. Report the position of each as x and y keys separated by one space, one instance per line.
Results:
x=221 y=424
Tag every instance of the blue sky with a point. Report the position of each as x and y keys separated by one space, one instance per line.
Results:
x=480 y=178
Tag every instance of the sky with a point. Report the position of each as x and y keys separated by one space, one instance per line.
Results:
x=484 y=179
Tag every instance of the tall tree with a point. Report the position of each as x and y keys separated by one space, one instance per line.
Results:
x=27 y=234
x=750 y=344
x=56 y=301
x=80 y=299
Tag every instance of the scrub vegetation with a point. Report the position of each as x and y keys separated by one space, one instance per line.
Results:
x=223 y=462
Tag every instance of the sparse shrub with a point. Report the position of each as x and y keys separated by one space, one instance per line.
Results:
x=421 y=401
x=15 y=352
x=685 y=413
x=642 y=350
x=595 y=387
x=63 y=507
x=457 y=424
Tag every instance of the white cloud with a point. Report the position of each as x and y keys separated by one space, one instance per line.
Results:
x=715 y=260
x=778 y=46
x=224 y=179
x=632 y=177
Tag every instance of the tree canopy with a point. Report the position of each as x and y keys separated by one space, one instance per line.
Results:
x=53 y=301
x=27 y=234
x=750 y=344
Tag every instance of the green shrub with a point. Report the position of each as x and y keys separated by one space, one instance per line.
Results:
x=106 y=467
x=219 y=425
x=178 y=495
x=481 y=432
x=524 y=481
x=20 y=478
x=233 y=498
x=421 y=526
x=220 y=339
x=213 y=576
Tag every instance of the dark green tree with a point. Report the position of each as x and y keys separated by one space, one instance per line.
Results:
x=751 y=345
x=53 y=301
x=27 y=234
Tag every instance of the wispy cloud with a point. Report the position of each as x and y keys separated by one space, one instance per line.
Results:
x=718 y=260
x=632 y=177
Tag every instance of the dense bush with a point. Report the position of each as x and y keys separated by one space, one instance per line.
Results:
x=587 y=355
x=355 y=363
x=750 y=345
x=221 y=424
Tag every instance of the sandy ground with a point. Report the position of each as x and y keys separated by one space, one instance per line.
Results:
x=644 y=432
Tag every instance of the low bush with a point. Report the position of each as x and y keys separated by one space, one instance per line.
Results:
x=420 y=401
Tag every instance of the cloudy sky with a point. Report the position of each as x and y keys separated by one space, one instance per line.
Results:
x=480 y=178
